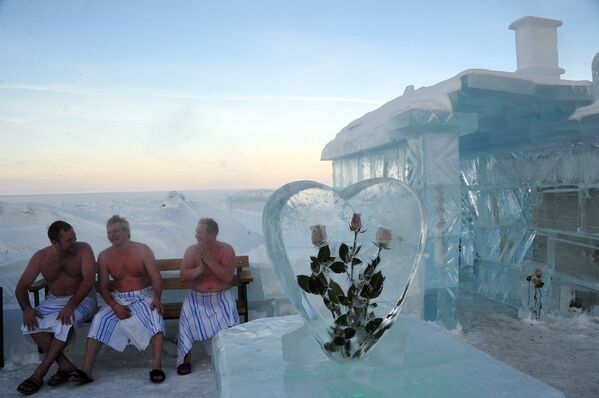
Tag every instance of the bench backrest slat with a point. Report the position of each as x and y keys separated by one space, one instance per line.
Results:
x=169 y=264
x=174 y=264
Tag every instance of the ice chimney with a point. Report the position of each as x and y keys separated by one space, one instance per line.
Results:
x=595 y=69
x=536 y=47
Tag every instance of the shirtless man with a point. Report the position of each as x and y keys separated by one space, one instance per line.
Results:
x=210 y=307
x=69 y=268
x=133 y=312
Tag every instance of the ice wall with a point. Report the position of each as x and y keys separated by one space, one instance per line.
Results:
x=536 y=206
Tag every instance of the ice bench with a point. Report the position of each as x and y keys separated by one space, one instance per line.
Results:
x=241 y=280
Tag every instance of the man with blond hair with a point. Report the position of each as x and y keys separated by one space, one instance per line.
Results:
x=133 y=311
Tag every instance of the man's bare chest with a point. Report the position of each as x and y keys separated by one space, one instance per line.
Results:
x=56 y=266
x=120 y=265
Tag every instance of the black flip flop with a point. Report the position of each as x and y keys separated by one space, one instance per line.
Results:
x=79 y=376
x=30 y=386
x=184 y=369
x=60 y=377
x=157 y=376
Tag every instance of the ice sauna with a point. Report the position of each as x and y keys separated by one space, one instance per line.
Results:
x=507 y=164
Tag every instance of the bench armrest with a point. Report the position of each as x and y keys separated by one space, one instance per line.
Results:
x=245 y=277
x=38 y=285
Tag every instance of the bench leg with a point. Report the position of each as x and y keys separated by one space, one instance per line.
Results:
x=36 y=302
x=1 y=328
x=244 y=297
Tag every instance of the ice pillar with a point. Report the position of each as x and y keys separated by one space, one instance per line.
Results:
x=439 y=187
x=595 y=69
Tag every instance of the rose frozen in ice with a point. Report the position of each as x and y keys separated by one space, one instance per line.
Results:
x=539 y=273
x=319 y=234
x=383 y=238
x=356 y=223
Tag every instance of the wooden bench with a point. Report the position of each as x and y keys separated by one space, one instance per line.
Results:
x=242 y=278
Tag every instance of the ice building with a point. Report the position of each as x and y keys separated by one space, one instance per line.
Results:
x=507 y=164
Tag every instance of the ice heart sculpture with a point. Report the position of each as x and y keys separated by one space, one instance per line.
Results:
x=345 y=258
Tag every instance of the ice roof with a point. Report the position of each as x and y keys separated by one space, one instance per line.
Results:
x=386 y=125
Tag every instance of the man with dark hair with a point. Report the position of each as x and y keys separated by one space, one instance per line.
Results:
x=210 y=307
x=133 y=311
x=69 y=268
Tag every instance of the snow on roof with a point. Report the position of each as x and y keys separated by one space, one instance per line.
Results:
x=586 y=111
x=373 y=129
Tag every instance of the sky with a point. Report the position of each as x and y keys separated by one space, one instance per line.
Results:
x=114 y=95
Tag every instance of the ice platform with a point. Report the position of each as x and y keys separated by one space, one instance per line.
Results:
x=248 y=362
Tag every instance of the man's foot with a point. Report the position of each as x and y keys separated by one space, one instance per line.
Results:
x=184 y=369
x=60 y=377
x=30 y=386
x=79 y=376
x=157 y=376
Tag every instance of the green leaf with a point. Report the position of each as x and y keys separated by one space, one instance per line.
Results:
x=313 y=259
x=344 y=253
x=313 y=285
x=334 y=291
x=344 y=301
x=324 y=253
x=322 y=284
x=338 y=267
x=333 y=297
x=356 y=261
x=342 y=320
x=365 y=291
x=376 y=281
x=373 y=325
x=339 y=341
x=348 y=333
x=358 y=249
x=304 y=282
x=351 y=292
x=368 y=271
x=329 y=304
x=375 y=293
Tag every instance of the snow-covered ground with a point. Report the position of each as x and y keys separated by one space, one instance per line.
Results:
x=562 y=352
x=119 y=374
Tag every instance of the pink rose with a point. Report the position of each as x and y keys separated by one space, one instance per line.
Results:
x=356 y=222
x=319 y=234
x=383 y=238
x=539 y=273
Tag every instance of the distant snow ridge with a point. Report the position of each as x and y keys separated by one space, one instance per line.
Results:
x=174 y=199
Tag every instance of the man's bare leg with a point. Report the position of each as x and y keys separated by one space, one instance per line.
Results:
x=187 y=357
x=91 y=350
x=44 y=340
x=156 y=374
x=53 y=350
x=157 y=341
